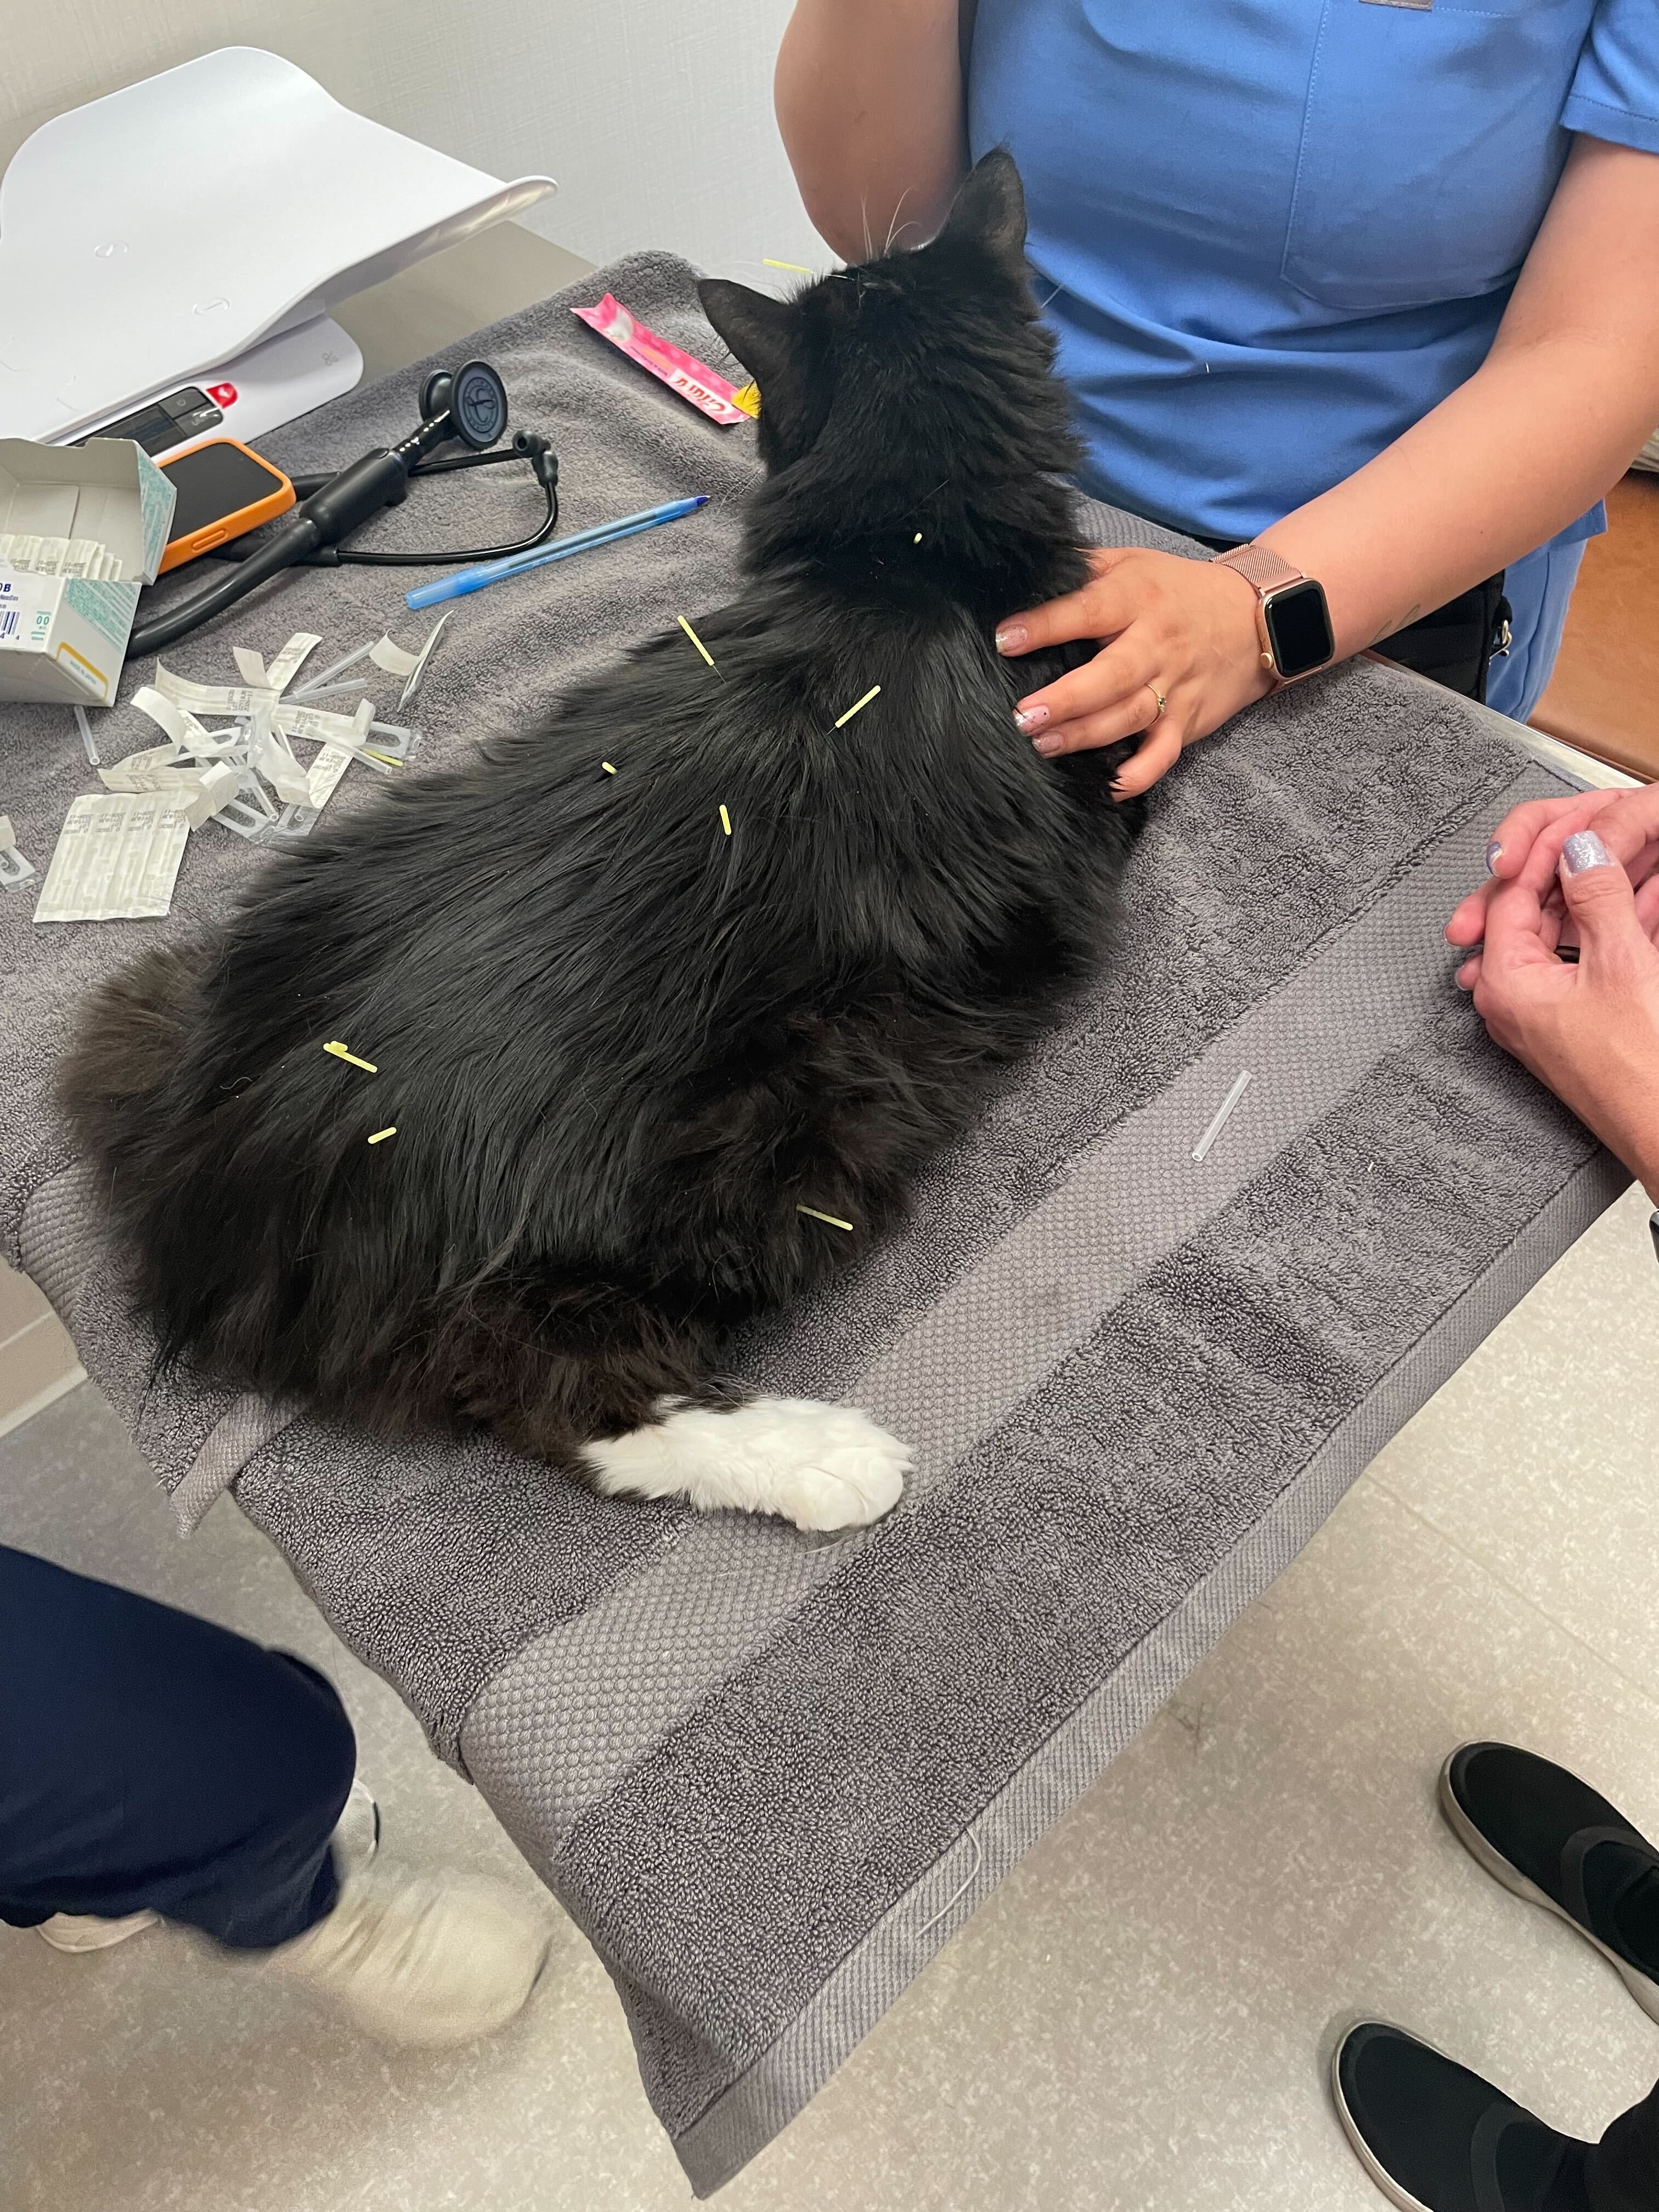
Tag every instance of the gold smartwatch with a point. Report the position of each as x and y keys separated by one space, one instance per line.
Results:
x=1292 y=620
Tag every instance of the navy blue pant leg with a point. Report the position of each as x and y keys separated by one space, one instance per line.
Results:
x=149 y=1759
x=1621 y=2173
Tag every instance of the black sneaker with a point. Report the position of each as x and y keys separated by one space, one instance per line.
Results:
x=1436 y=2138
x=1549 y=1838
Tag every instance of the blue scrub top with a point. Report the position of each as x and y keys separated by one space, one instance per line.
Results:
x=1278 y=232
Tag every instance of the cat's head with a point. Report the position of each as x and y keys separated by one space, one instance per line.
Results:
x=912 y=394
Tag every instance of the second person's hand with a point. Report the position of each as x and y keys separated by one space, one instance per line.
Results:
x=1179 y=631
x=1590 y=1030
x=1526 y=847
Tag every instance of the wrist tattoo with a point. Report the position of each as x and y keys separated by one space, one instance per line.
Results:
x=1391 y=626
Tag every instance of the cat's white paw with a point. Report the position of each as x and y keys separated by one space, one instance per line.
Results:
x=821 y=1466
x=854 y=1474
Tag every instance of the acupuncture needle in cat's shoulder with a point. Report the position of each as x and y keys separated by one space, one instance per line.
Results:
x=697 y=641
x=858 y=704
x=340 y=1052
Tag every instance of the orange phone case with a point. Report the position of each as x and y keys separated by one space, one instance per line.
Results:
x=180 y=550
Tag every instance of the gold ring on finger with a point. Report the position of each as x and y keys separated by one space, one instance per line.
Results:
x=1162 y=701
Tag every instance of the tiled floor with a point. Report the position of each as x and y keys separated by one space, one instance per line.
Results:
x=1136 y=2022
x=37 y=1360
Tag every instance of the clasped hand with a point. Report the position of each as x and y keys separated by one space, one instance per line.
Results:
x=1579 y=875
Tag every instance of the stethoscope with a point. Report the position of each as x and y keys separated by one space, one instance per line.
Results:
x=469 y=404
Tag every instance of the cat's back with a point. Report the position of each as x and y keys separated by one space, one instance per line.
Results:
x=846 y=778
x=836 y=794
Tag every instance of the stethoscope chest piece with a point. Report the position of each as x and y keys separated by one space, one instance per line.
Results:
x=474 y=398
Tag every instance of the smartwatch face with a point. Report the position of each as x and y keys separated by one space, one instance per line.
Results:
x=1299 y=628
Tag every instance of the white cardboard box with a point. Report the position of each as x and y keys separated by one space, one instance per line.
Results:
x=65 y=637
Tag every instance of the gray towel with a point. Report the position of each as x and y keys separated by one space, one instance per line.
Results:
x=770 y=1773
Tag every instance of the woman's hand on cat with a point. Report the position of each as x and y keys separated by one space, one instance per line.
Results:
x=1183 y=629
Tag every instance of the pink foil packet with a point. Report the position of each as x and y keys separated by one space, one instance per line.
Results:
x=681 y=372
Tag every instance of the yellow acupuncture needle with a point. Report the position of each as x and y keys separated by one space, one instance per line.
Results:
x=695 y=640
x=606 y=766
x=380 y=1135
x=833 y=1220
x=856 y=704
x=726 y=822
x=800 y=268
x=340 y=1053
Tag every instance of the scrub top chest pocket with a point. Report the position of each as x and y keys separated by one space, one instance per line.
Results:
x=1430 y=145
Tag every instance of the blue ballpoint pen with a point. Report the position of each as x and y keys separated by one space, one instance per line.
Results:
x=581 y=541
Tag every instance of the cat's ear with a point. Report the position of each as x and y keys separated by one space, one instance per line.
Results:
x=760 y=330
x=990 y=209
x=787 y=360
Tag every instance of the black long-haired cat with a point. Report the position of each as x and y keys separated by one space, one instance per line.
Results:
x=640 y=1069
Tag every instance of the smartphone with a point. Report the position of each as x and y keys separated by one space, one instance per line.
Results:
x=224 y=489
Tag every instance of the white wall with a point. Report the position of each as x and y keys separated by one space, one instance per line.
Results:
x=655 y=116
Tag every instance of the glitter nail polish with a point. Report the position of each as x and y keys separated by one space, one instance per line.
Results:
x=1584 y=850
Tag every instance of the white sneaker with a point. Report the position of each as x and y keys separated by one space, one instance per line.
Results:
x=417 y=1958
x=355 y=1840
x=85 y=1931
x=357 y=1835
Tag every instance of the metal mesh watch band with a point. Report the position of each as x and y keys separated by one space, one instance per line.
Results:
x=1261 y=565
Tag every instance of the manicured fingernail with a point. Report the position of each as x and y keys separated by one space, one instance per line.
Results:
x=1010 y=637
x=1048 y=746
x=1492 y=853
x=1584 y=850
x=1030 y=719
